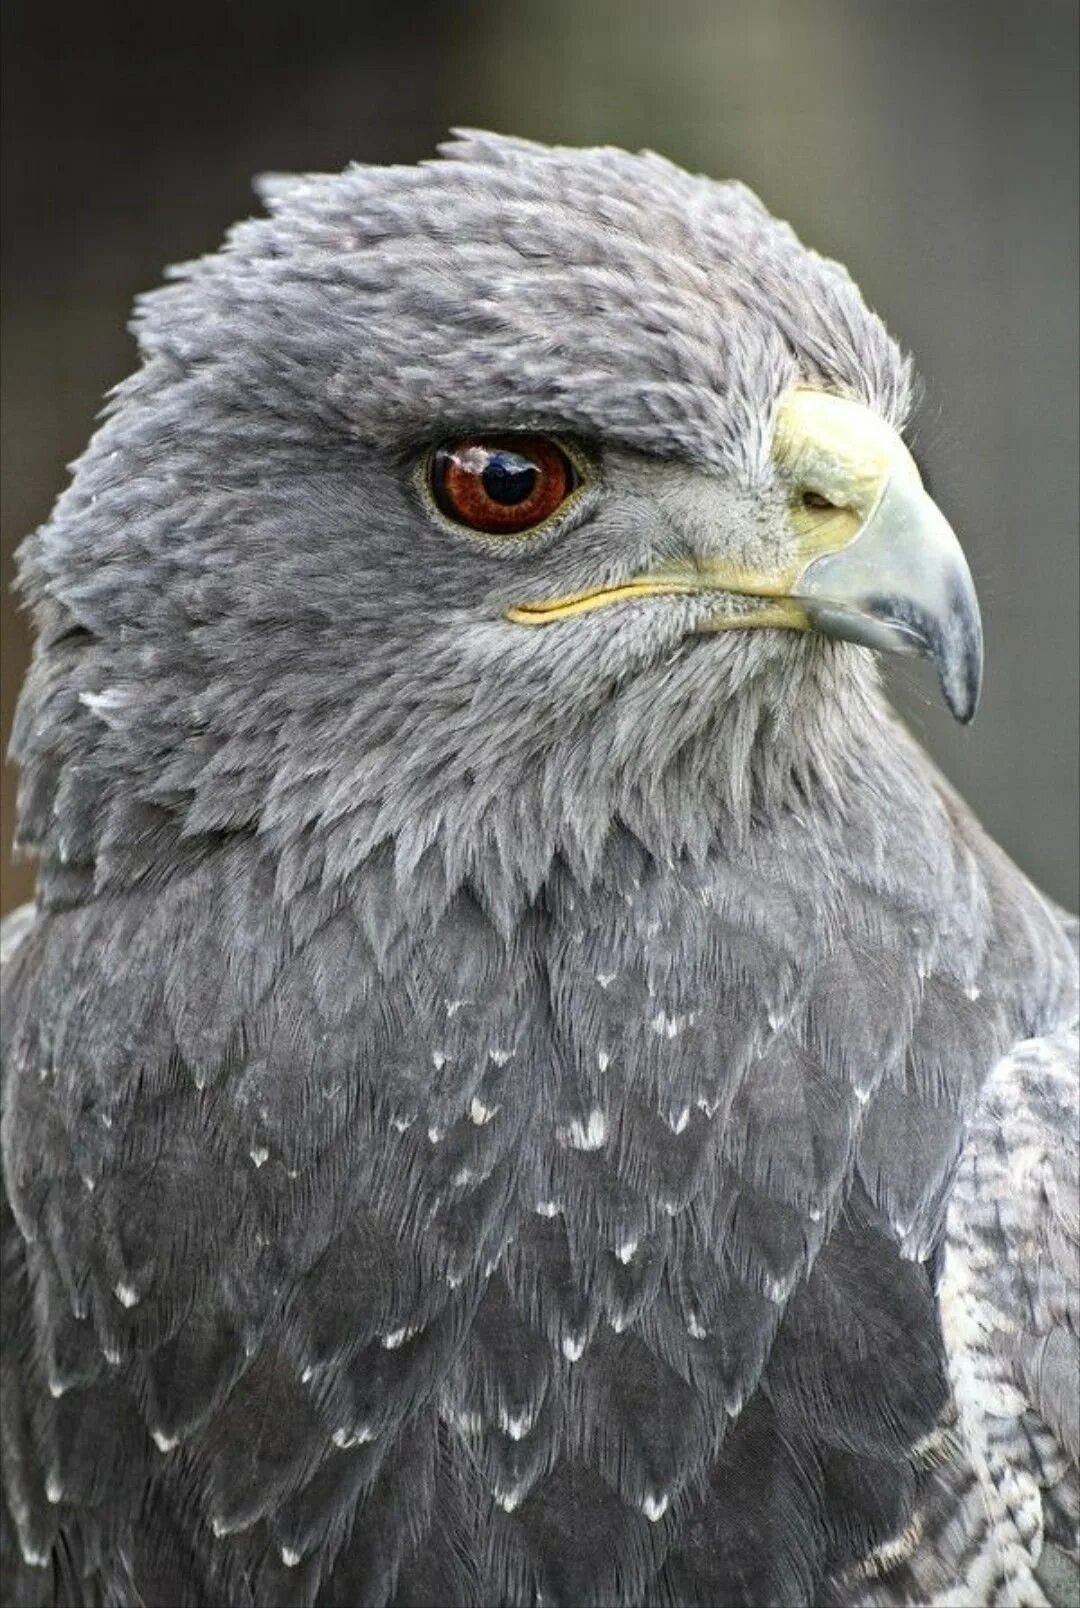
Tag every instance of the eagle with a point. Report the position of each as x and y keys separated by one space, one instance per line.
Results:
x=523 y=1086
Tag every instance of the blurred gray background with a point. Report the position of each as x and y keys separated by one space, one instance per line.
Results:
x=929 y=144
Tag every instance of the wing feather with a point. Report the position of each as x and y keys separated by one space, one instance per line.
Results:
x=1010 y=1297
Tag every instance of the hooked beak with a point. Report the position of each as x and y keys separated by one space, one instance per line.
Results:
x=872 y=559
x=903 y=586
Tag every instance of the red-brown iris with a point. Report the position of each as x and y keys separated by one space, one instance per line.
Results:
x=501 y=484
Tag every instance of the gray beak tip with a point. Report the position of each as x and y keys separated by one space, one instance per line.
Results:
x=962 y=697
x=964 y=709
x=957 y=650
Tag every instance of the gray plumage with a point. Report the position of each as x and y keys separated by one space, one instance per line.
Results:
x=481 y=1105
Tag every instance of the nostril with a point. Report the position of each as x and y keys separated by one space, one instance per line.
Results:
x=814 y=499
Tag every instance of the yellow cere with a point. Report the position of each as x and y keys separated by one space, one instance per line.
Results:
x=840 y=451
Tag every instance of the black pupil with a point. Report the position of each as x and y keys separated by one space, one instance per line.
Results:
x=509 y=478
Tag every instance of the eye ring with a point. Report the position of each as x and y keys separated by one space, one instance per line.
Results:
x=502 y=485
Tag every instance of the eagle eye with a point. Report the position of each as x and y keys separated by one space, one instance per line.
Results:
x=503 y=485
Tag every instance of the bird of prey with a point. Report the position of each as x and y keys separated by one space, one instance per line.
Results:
x=523 y=1087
